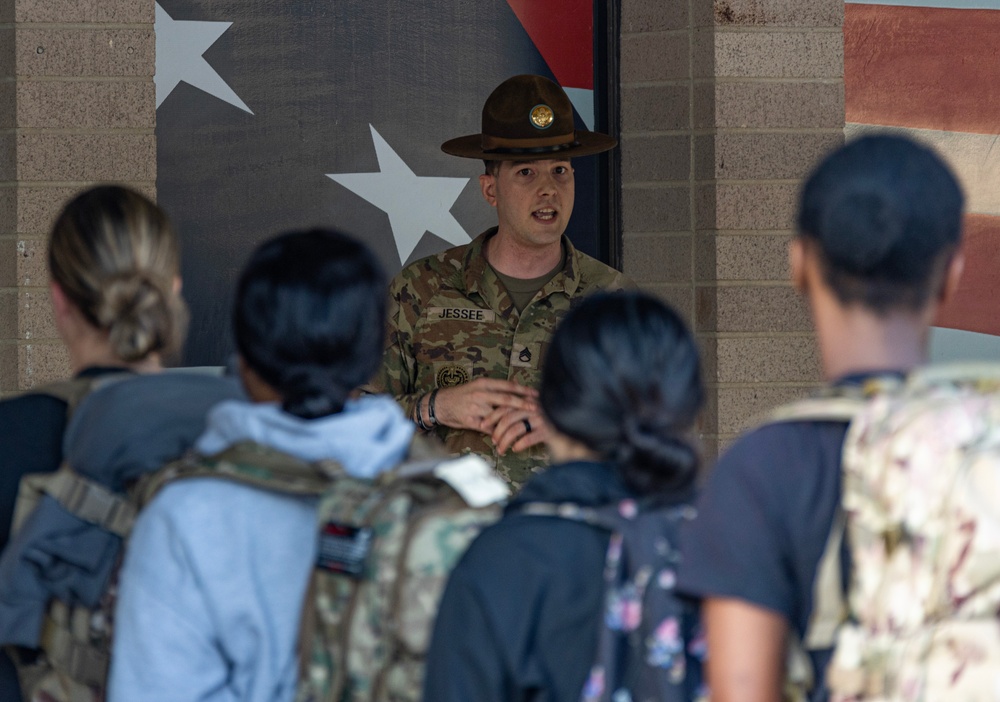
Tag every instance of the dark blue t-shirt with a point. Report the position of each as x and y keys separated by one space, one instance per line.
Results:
x=764 y=519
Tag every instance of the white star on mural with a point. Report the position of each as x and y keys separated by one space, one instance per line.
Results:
x=179 y=49
x=415 y=204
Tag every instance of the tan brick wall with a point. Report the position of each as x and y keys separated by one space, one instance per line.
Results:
x=753 y=89
x=77 y=107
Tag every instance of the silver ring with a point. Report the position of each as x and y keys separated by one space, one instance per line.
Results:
x=527 y=425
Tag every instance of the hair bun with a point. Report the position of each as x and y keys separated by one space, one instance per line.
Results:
x=655 y=454
x=866 y=222
x=138 y=313
x=314 y=391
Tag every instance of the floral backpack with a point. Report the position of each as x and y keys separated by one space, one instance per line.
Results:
x=650 y=646
x=921 y=495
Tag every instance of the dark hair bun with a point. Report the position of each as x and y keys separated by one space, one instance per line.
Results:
x=886 y=213
x=622 y=377
x=313 y=391
x=870 y=225
x=646 y=449
x=310 y=318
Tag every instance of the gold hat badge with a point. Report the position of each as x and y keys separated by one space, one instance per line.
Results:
x=542 y=116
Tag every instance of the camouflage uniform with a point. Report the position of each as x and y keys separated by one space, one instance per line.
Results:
x=451 y=320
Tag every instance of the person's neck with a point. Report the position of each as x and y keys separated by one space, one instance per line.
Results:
x=854 y=340
x=520 y=261
x=93 y=353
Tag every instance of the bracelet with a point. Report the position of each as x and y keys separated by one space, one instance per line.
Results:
x=430 y=407
x=419 y=415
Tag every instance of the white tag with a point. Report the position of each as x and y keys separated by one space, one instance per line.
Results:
x=472 y=478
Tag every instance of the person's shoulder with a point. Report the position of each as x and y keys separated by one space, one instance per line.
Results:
x=782 y=447
x=597 y=275
x=31 y=402
x=33 y=414
x=434 y=270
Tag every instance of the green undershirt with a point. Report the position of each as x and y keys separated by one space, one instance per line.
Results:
x=523 y=290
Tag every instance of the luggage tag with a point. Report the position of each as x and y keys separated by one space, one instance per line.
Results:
x=472 y=478
x=344 y=548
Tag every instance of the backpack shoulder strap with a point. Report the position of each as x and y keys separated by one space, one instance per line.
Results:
x=828 y=613
x=248 y=463
x=983 y=377
x=835 y=403
x=829 y=608
x=79 y=496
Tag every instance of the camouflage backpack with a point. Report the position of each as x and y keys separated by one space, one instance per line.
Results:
x=922 y=497
x=836 y=404
x=70 y=659
x=650 y=645
x=385 y=550
x=37 y=680
x=920 y=509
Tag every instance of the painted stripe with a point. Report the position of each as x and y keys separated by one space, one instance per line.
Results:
x=976 y=304
x=563 y=33
x=951 y=345
x=950 y=4
x=583 y=101
x=975 y=158
x=922 y=67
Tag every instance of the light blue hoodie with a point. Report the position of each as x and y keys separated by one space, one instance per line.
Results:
x=212 y=586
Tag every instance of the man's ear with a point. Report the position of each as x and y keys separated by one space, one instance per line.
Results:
x=797 y=263
x=952 y=277
x=488 y=185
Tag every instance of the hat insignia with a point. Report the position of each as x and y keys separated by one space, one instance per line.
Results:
x=542 y=116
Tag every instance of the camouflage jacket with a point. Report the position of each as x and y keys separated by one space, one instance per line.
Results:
x=451 y=320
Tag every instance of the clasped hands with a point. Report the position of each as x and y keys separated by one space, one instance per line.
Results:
x=505 y=410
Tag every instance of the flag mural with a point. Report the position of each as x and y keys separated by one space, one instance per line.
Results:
x=273 y=116
x=930 y=69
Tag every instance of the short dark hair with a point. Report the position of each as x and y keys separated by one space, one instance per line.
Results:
x=886 y=216
x=622 y=376
x=492 y=167
x=309 y=318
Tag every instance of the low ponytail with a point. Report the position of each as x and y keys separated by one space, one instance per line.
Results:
x=622 y=377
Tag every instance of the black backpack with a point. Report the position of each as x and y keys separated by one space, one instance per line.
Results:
x=650 y=647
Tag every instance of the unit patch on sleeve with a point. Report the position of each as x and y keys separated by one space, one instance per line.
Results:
x=451 y=375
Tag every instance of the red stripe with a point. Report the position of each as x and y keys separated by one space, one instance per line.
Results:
x=922 y=67
x=976 y=305
x=563 y=32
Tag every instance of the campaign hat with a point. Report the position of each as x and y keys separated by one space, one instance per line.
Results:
x=525 y=118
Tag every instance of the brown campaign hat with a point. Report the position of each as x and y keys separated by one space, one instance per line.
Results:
x=528 y=117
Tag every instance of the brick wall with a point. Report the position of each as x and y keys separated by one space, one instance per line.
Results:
x=77 y=107
x=725 y=106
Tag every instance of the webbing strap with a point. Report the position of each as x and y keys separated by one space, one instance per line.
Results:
x=92 y=502
x=829 y=609
x=819 y=409
x=78 y=660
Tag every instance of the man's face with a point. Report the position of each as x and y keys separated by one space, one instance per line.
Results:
x=534 y=199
